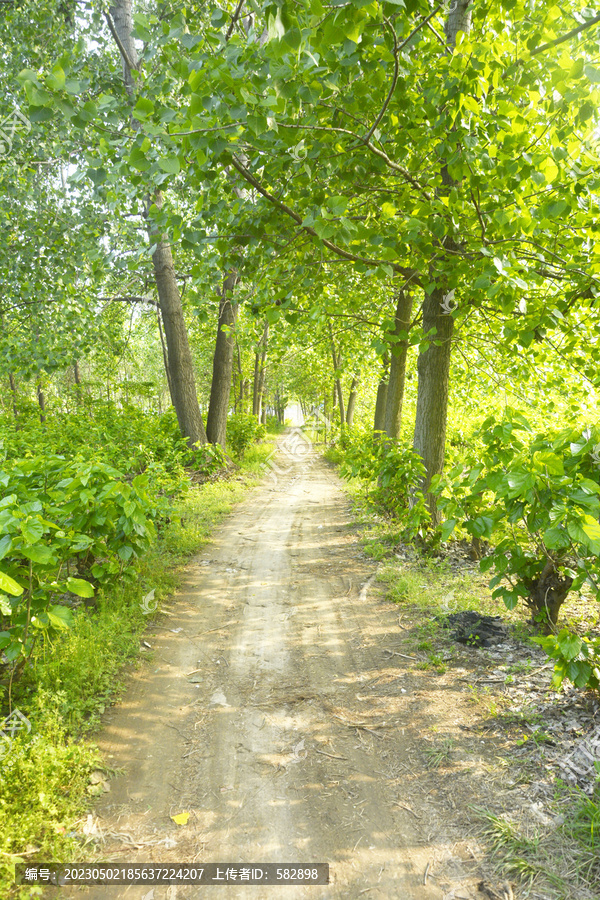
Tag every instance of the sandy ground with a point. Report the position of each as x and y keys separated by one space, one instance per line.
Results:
x=276 y=712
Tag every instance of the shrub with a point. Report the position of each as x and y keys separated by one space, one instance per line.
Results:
x=243 y=430
x=393 y=475
x=538 y=497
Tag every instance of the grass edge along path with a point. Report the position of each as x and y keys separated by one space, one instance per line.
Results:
x=45 y=783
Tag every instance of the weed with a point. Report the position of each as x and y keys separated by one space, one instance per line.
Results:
x=440 y=753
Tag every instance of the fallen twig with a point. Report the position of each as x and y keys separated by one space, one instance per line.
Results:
x=426 y=872
x=403 y=655
x=331 y=756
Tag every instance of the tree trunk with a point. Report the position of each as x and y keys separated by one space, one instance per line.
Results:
x=399 y=352
x=433 y=370
x=352 y=401
x=381 y=402
x=337 y=383
x=13 y=390
x=180 y=367
x=41 y=402
x=260 y=358
x=182 y=382
x=547 y=593
x=433 y=367
x=238 y=398
x=220 y=389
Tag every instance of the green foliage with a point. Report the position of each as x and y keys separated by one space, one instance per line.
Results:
x=43 y=790
x=577 y=658
x=243 y=429
x=393 y=476
x=65 y=526
x=537 y=497
x=205 y=459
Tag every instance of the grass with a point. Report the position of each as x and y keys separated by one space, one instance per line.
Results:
x=556 y=863
x=45 y=786
x=439 y=754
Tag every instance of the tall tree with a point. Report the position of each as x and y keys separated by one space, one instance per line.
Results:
x=182 y=382
x=398 y=353
x=220 y=390
x=438 y=324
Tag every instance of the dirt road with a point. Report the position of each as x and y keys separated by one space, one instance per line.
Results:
x=273 y=713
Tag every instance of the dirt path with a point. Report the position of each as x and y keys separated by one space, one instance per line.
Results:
x=273 y=713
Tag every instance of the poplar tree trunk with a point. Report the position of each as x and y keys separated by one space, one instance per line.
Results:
x=182 y=381
x=352 y=401
x=399 y=352
x=260 y=360
x=433 y=367
x=180 y=367
x=381 y=402
x=337 y=383
x=41 y=402
x=13 y=390
x=220 y=389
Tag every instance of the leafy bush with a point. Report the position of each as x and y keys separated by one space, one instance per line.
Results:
x=577 y=658
x=64 y=525
x=206 y=459
x=538 y=497
x=243 y=430
x=393 y=475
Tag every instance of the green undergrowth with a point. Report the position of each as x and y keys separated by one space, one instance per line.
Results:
x=45 y=773
x=559 y=861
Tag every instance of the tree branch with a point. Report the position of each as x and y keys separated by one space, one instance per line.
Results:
x=234 y=19
x=566 y=37
x=339 y=251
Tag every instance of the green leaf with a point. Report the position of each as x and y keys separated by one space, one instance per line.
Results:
x=26 y=75
x=388 y=210
x=272 y=315
x=519 y=483
x=56 y=79
x=555 y=537
x=591 y=528
x=5 y=545
x=38 y=553
x=80 y=587
x=9 y=585
x=337 y=205
x=549 y=462
x=32 y=531
x=60 y=617
x=170 y=164
x=592 y=73
x=448 y=527
x=570 y=645
x=143 y=108
x=576 y=70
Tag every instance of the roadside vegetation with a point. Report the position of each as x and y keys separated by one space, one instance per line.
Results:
x=75 y=606
x=383 y=215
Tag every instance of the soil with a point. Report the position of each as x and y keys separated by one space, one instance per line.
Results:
x=281 y=709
